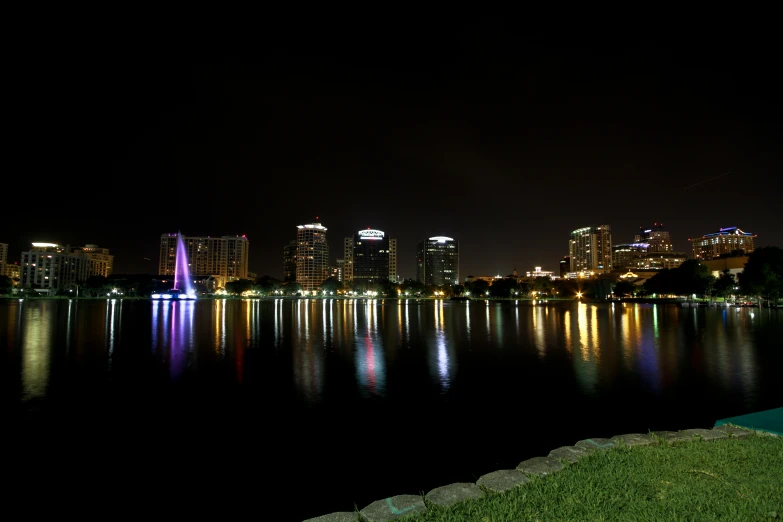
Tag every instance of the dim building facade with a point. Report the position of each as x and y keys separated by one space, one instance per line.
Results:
x=590 y=249
x=99 y=261
x=369 y=257
x=565 y=266
x=312 y=256
x=725 y=242
x=437 y=261
x=224 y=258
x=289 y=262
x=624 y=255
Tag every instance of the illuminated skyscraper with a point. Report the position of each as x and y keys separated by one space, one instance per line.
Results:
x=437 y=261
x=369 y=257
x=656 y=237
x=590 y=249
x=312 y=256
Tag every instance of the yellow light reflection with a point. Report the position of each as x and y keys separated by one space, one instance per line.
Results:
x=36 y=350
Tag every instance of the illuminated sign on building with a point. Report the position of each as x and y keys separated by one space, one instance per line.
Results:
x=371 y=234
x=440 y=239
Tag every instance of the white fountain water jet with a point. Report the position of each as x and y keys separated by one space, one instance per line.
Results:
x=182 y=281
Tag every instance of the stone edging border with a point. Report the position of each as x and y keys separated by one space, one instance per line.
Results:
x=505 y=479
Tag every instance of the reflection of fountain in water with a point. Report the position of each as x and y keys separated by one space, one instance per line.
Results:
x=182 y=280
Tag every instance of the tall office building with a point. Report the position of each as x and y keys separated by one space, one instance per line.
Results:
x=312 y=256
x=225 y=258
x=656 y=237
x=49 y=267
x=725 y=241
x=437 y=261
x=590 y=249
x=369 y=257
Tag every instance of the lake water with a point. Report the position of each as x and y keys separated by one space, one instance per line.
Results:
x=287 y=409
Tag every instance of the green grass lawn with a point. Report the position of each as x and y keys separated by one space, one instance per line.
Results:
x=732 y=479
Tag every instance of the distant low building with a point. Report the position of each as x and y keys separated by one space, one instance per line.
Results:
x=11 y=270
x=726 y=241
x=537 y=272
x=488 y=279
x=659 y=260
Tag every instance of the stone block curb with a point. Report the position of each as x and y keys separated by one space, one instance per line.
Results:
x=570 y=453
x=674 y=437
x=706 y=434
x=636 y=439
x=732 y=431
x=506 y=479
x=502 y=480
x=596 y=444
x=391 y=508
x=447 y=495
x=540 y=466
x=339 y=516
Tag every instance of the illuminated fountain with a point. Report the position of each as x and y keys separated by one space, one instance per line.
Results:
x=183 y=286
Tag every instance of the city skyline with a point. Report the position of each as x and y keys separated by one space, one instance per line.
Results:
x=338 y=256
x=470 y=130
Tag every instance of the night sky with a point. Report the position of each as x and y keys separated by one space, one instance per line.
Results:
x=476 y=130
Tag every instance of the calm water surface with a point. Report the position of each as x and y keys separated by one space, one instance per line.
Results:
x=288 y=409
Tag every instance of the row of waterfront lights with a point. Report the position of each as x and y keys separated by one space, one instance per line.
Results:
x=173 y=296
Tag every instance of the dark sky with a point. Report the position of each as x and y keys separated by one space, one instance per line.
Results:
x=479 y=130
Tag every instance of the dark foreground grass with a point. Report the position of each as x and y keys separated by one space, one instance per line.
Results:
x=732 y=479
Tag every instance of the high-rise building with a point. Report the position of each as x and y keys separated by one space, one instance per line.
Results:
x=726 y=241
x=224 y=258
x=437 y=261
x=3 y=254
x=312 y=256
x=590 y=249
x=369 y=257
x=656 y=237
x=50 y=267
x=289 y=261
